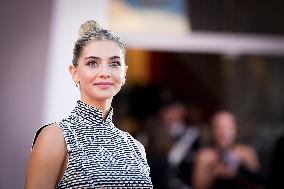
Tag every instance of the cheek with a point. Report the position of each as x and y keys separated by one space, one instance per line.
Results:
x=222 y=134
x=118 y=76
x=86 y=75
x=232 y=135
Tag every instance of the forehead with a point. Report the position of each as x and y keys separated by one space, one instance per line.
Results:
x=103 y=49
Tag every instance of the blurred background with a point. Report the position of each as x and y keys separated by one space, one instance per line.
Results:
x=194 y=56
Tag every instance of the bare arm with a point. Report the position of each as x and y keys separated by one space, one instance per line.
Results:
x=46 y=159
x=202 y=175
x=249 y=158
x=207 y=168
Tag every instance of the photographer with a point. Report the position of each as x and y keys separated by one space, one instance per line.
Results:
x=226 y=164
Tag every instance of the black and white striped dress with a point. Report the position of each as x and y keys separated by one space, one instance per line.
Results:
x=99 y=154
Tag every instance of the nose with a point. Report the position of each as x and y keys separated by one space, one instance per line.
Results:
x=104 y=71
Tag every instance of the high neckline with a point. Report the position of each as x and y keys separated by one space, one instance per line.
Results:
x=92 y=113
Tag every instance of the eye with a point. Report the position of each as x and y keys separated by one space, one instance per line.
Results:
x=114 y=63
x=92 y=63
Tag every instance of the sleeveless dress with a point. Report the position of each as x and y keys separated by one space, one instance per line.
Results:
x=99 y=154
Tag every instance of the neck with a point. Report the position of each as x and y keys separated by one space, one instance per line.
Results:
x=103 y=105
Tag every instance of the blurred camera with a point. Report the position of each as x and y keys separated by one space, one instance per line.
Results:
x=230 y=159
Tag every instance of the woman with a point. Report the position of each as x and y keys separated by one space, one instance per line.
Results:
x=225 y=164
x=86 y=150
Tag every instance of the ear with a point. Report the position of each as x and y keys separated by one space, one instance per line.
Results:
x=74 y=73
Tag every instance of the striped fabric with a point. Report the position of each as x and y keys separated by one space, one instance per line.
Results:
x=99 y=154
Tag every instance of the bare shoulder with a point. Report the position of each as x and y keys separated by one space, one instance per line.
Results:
x=245 y=150
x=141 y=148
x=46 y=158
x=207 y=155
x=50 y=144
x=244 y=147
x=50 y=135
x=207 y=152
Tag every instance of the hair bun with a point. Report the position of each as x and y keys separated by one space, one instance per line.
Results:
x=89 y=26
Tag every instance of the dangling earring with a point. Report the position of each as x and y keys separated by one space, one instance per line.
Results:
x=77 y=84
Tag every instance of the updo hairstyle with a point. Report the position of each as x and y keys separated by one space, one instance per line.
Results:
x=92 y=31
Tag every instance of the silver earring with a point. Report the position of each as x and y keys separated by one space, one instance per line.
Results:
x=77 y=84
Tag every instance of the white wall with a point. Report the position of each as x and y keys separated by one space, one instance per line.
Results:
x=23 y=51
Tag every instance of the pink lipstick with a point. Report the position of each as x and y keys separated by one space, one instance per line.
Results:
x=104 y=85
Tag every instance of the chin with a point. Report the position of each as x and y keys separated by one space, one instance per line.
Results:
x=103 y=97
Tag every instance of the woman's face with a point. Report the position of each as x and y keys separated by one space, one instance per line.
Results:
x=224 y=129
x=101 y=70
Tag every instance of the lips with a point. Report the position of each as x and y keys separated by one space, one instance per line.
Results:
x=103 y=85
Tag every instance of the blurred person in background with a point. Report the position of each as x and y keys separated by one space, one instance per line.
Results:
x=86 y=149
x=191 y=143
x=171 y=145
x=226 y=164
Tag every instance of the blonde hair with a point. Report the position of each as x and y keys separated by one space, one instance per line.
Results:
x=91 y=31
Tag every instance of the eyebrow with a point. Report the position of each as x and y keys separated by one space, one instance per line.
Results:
x=92 y=57
x=114 y=57
x=98 y=58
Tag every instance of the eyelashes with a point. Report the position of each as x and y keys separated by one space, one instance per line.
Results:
x=94 y=63
x=115 y=63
